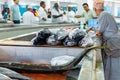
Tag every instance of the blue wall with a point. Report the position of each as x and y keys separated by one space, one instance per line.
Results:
x=119 y=11
x=109 y=9
x=66 y=8
x=74 y=9
x=36 y=7
x=23 y=8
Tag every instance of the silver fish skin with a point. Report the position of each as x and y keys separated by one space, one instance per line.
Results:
x=4 y=77
x=12 y=74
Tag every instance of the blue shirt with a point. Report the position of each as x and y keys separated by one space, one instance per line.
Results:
x=110 y=34
x=5 y=15
x=16 y=12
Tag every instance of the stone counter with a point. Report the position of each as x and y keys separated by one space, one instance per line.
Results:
x=92 y=67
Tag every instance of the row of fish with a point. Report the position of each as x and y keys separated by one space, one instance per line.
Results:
x=66 y=37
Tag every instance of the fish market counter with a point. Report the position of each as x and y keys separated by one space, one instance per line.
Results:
x=8 y=30
x=19 y=49
x=31 y=26
x=10 y=27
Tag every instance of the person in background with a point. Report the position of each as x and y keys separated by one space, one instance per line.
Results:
x=108 y=31
x=5 y=5
x=28 y=16
x=15 y=13
x=42 y=12
x=6 y=13
x=57 y=14
x=1 y=17
x=35 y=12
x=87 y=14
x=49 y=13
x=70 y=15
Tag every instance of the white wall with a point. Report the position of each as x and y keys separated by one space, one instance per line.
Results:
x=3 y=1
x=90 y=3
x=80 y=8
x=114 y=4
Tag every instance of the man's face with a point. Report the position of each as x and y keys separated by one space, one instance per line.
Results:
x=56 y=6
x=30 y=9
x=16 y=1
x=44 y=5
x=86 y=8
x=69 y=8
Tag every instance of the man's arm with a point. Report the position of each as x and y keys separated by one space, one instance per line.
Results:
x=98 y=33
x=78 y=16
x=57 y=16
x=11 y=17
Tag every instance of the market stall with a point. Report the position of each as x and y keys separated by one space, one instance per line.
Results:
x=18 y=53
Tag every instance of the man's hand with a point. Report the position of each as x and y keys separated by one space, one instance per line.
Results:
x=60 y=15
x=64 y=13
x=77 y=16
x=90 y=29
x=12 y=22
x=57 y=16
x=11 y=17
x=98 y=33
x=44 y=19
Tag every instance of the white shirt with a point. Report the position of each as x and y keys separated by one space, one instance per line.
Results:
x=28 y=18
x=71 y=16
x=42 y=14
x=55 y=12
x=1 y=17
x=88 y=15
